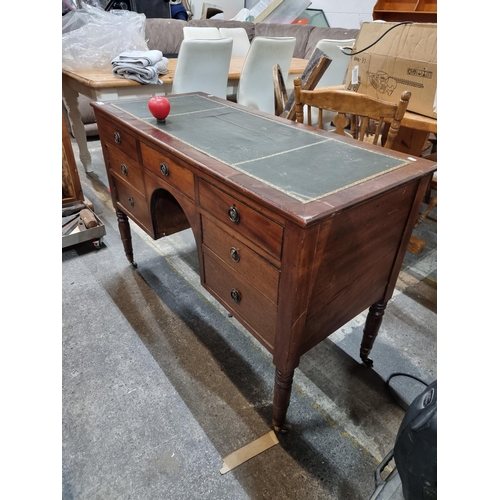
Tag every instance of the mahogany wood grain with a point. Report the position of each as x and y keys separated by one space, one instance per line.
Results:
x=244 y=301
x=264 y=232
x=242 y=259
x=125 y=168
x=290 y=271
x=119 y=138
x=170 y=170
x=132 y=202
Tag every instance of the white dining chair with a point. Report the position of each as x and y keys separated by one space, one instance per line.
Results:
x=203 y=66
x=194 y=32
x=256 y=86
x=335 y=73
x=241 y=43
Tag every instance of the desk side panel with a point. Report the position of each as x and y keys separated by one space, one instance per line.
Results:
x=354 y=261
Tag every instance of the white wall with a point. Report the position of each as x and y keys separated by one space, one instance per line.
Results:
x=230 y=7
x=345 y=13
x=340 y=13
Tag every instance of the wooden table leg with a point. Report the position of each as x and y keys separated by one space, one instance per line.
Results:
x=370 y=332
x=281 y=400
x=408 y=140
x=124 y=227
x=71 y=97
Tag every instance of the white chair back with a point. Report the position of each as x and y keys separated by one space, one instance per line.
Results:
x=256 y=87
x=194 y=32
x=241 y=43
x=203 y=66
x=335 y=73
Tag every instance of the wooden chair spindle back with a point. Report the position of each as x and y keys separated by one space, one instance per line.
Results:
x=366 y=115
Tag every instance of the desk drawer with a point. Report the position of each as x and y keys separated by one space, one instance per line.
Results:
x=241 y=259
x=125 y=168
x=169 y=170
x=133 y=202
x=118 y=137
x=237 y=215
x=247 y=304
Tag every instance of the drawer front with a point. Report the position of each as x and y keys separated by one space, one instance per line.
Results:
x=119 y=138
x=251 y=224
x=169 y=170
x=133 y=202
x=247 y=304
x=241 y=259
x=125 y=168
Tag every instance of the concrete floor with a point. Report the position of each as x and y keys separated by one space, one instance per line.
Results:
x=160 y=384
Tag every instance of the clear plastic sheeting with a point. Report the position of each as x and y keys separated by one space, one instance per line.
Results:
x=93 y=37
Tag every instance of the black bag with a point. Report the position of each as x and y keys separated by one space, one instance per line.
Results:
x=415 y=454
x=415 y=451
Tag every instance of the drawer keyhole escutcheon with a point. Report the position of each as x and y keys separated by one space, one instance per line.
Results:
x=235 y=295
x=234 y=215
x=124 y=169
x=235 y=254
x=164 y=168
x=131 y=201
x=117 y=137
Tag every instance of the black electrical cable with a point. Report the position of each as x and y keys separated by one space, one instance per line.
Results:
x=400 y=374
x=376 y=41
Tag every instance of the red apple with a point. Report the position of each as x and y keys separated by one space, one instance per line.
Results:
x=159 y=107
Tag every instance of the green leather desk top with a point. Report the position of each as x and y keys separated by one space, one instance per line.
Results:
x=304 y=165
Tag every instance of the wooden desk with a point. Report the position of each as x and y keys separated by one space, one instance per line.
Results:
x=103 y=86
x=298 y=230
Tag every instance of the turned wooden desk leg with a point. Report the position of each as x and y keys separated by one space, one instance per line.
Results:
x=370 y=332
x=282 y=392
x=124 y=227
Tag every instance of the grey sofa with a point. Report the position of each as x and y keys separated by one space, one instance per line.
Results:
x=166 y=35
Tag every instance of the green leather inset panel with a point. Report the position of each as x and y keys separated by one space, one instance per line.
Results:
x=305 y=165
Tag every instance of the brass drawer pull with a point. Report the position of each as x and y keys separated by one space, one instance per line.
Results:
x=117 y=137
x=235 y=295
x=164 y=169
x=234 y=215
x=235 y=254
x=131 y=201
x=124 y=169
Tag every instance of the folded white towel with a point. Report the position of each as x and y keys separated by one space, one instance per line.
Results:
x=142 y=74
x=161 y=66
x=141 y=57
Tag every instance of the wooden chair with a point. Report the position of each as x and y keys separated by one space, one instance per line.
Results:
x=336 y=72
x=364 y=115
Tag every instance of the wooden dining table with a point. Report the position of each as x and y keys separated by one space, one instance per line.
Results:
x=102 y=85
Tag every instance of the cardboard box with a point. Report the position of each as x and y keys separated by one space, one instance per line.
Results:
x=404 y=59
